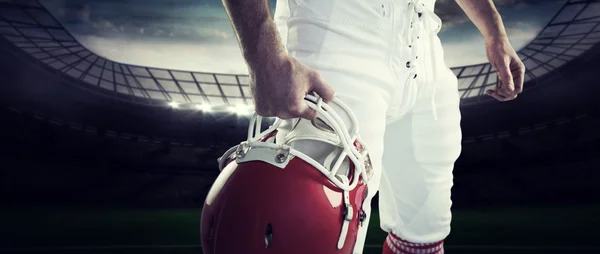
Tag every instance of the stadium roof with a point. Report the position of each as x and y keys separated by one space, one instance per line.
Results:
x=30 y=27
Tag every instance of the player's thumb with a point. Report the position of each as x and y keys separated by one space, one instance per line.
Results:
x=320 y=86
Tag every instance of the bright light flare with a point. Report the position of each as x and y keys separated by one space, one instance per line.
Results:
x=174 y=104
x=241 y=109
x=203 y=107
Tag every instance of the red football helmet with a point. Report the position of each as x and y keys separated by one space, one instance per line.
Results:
x=271 y=198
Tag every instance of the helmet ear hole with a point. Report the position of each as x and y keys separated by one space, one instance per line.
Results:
x=268 y=235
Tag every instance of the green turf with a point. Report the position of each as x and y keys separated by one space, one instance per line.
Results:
x=30 y=227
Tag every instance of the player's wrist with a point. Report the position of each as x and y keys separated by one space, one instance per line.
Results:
x=494 y=32
x=265 y=66
x=268 y=56
x=265 y=47
x=496 y=38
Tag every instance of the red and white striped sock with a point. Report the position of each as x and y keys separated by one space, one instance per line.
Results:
x=396 y=245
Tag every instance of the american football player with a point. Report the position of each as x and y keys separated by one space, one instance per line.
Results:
x=384 y=60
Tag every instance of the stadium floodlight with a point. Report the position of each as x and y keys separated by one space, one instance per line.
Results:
x=241 y=109
x=203 y=107
x=174 y=104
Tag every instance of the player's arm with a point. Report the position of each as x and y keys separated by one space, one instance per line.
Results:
x=255 y=29
x=511 y=71
x=485 y=16
x=278 y=82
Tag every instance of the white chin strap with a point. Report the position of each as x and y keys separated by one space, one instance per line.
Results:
x=359 y=158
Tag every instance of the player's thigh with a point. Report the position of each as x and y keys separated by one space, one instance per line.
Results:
x=419 y=156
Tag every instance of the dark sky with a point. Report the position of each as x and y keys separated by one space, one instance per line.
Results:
x=196 y=34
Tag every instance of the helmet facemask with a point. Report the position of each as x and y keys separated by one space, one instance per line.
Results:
x=329 y=144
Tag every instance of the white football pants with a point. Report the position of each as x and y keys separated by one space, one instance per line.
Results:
x=384 y=60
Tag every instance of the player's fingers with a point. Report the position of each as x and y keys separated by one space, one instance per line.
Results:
x=263 y=110
x=320 y=86
x=499 y=97
x=285 y=115
x=506 y=96
x=505 y=76
x=496 y=95
x=501 y=90
x=302 y=110
x=299 y=108
x=519 y=76
x=308 y=113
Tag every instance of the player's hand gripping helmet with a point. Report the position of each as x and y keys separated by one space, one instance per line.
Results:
x=270 y=198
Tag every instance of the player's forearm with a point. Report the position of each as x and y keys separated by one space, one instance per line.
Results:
x=255 y=29
x=485 y=16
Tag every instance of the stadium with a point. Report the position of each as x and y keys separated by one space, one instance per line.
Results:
x=100 y=156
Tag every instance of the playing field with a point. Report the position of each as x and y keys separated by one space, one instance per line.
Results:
x=572 y=229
